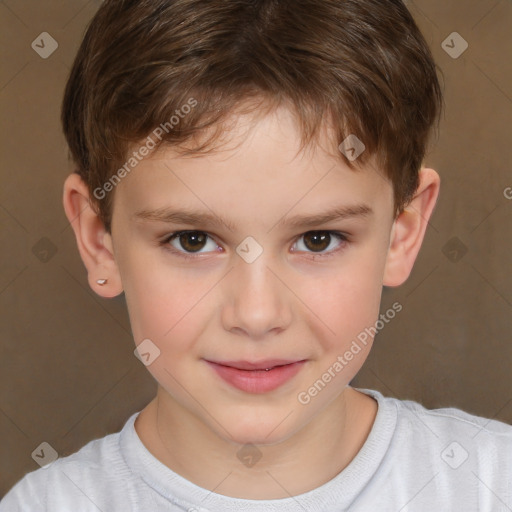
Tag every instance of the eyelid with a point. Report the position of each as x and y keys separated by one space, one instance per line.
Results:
x=188 y=255
x=344 y=238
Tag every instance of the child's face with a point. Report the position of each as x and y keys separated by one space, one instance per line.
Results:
x=289 y=303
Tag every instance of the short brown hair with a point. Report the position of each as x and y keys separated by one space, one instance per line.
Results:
x=363 y=64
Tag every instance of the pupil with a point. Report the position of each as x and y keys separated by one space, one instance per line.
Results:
x=197 y=240
x=322 y=237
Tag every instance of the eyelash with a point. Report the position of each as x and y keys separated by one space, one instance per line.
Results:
x=190 y=256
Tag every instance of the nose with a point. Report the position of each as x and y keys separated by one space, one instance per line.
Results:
x=256 y=302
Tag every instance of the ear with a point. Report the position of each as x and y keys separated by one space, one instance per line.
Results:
x=409 y=229
x=94 y=242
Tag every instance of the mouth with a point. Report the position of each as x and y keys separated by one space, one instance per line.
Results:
x=257 y=377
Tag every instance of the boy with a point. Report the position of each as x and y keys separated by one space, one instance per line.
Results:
x=249 y=174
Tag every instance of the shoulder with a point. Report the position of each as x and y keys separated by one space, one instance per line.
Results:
x=438 y=459
x=413 y=416
x=450 y=421
x=450 y=438
x=67 y=481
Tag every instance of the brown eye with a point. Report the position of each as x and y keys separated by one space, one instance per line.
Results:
x=320 y=242
x=317 y=241
x=191 y=241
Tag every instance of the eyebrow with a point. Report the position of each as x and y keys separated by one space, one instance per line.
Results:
x=192 y=217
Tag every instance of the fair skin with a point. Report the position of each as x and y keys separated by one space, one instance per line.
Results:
x=292 y=302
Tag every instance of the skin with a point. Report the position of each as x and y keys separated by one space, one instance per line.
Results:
x=291 y=302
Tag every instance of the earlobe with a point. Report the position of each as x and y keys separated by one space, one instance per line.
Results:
x=93 y=241
x=409 y=229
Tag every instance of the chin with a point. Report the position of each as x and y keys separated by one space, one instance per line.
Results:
x=253 y=429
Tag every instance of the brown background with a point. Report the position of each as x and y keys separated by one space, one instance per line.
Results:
x=67 y=369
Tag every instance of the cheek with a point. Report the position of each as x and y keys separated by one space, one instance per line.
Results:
x=347 y=299
x=348 y=306
x=162 y=301
x=170 y=315
x=165 y=313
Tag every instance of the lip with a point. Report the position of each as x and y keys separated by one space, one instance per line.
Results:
x=253 y=377
x=260 y=365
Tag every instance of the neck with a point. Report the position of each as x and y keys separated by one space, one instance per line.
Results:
x=304 y=461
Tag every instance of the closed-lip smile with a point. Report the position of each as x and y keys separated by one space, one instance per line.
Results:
x=257 y=376
x=260 y=365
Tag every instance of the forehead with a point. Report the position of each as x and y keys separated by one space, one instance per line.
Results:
x=258 y=163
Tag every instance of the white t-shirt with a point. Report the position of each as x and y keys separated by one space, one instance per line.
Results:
x=414 y=459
